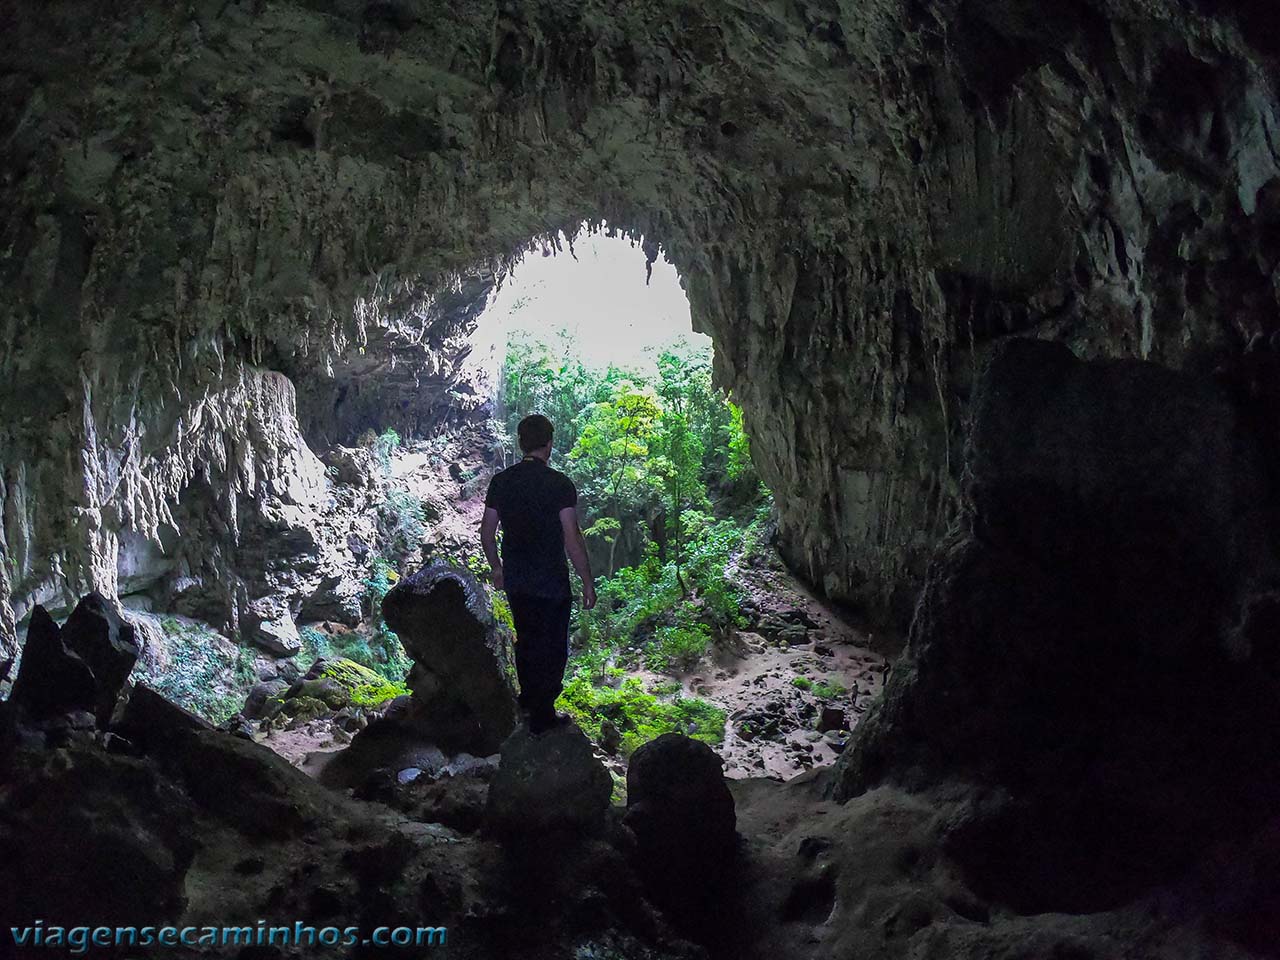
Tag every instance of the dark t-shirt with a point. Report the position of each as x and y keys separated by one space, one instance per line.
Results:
x=529 y=497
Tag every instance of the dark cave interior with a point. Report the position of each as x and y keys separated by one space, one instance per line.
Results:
x=996 y=288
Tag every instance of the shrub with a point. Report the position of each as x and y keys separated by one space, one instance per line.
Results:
x=639 y=716
x=384 y=447
x=804 y=683
x=401 y=523
x=830 y=691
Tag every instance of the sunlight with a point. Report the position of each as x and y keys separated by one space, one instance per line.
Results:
x=600 y=300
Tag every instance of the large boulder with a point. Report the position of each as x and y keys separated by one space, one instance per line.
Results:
x=106 y=642
x=463 y=675
x=550 y=783
x=52 y=678
x=681 y=811
x=82 y=666
x=1079 y=652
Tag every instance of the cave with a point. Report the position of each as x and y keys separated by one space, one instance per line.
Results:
x=995 y=289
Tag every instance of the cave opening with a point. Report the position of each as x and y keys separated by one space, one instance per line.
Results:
x=996 y=293
x=700 y=629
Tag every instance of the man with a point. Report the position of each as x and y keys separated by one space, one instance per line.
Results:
x=537 y=508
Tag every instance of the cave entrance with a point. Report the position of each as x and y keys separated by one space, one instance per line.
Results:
x=699 y=628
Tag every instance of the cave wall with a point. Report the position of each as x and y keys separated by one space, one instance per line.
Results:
x=860 y=197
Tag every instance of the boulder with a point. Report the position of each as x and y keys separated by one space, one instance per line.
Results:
x=832 y=718
x=52 y=678
x=275 y=633
x=548 y=783
x=106 y=642
x=1074 y=652
x=679 y=804
x=153 y=722
x=682 y=813
x=255 y=704
x=463 y=674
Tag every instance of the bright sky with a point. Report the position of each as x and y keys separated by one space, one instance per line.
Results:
x=600 y=298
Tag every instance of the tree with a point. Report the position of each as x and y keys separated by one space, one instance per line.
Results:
x=611 y=457
x=682 y=448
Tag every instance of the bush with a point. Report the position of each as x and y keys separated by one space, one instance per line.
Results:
x=402 y=524
x=638 y=715
x=804 y=683
x=829 y=691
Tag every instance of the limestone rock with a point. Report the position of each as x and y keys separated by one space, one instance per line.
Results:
x=105 y=642
x=52 y=678
x=255 y=705
x=682 y=813
x=463 y=671
x=1074 y=648
x=549 y=784
x=275 y=632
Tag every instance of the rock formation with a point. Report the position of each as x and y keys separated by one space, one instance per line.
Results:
x=1095 y=648
x=681 y=811
x=463 y=674
x=549 y=789
x=859 y=202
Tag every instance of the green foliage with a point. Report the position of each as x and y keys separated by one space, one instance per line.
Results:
x=830 y=691
x=670 y=502
x=737 y=446
x=804 y=683
x=207 y=674
x=402 y=520
x=384 y=447
x=368 y=688
x=638 y=715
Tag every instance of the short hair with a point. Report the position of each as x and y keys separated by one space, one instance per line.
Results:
x=535 y=432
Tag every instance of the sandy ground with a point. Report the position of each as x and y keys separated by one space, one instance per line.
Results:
x=752 y=681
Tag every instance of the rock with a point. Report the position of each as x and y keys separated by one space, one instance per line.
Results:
x=276 y=634
x=832 y=718
x=106 y=643
x=682 y=814
x=610 y=736
x=793 y=635
x=463 y=674
x=255 y=704
x=1073 y=645
x=153 y=722
x=547 y=784
x=97 y=815
x=52 y=678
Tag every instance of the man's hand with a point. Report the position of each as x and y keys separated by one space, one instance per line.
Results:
x=588 y=595
x=497 y=578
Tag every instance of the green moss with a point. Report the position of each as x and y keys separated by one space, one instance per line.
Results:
x=367 y=688
x=638 y=715
x=207 y=674
x=804 y=683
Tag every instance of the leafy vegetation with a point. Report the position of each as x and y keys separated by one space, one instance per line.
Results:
x=638 y=715
x=671 y=501
x=207 y=674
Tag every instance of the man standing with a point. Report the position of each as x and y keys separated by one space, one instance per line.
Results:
x=537 y=508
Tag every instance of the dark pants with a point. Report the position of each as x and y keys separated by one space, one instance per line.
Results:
x=542 y=650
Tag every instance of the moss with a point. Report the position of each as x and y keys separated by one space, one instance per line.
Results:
x=366 y=687
x=638 y=715
x=206 y=673
x=303 y=709
x=804 y=683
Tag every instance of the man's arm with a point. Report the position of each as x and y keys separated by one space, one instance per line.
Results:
x=489 y=540
x=576 y=546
